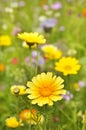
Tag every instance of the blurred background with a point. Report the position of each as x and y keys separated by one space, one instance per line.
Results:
x=62 y=22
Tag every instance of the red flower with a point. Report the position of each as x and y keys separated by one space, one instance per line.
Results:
x=14 y=61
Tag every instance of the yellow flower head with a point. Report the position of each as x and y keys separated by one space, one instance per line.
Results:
x=5 y=40
x=32 y=39
x=51 y=52
x=67 y=65
x=18 y=89
x=45 y=88
x=12 y=122
x=76 y=86
x=2 y=67
x=31 y=116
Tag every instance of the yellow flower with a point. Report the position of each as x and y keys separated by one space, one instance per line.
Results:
x=32 y=39
x=67 y=65
x=76 y=86
x=2 y=67
x=44 y=89
x=18 y=89
x=31 y=116
x=12 y=122
x=51 y=52
x=5 y=40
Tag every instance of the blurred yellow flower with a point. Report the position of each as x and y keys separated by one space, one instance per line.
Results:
x=32 y=39
x=2 y=67
x=12 y=122
x=51 y=52
x=5 y=40
x=67 y=65
x=31 y=116
x=18 y=89
x=76 y=86
x=44 y=89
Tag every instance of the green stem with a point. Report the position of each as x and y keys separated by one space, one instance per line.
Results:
x=17 y=106
x=83 y=127
x=36 y=69
x=66 y=115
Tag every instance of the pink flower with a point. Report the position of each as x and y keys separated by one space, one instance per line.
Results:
x=56 y=6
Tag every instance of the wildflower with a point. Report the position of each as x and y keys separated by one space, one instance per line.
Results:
x=84 y=118
x=27 y=60
x=5 y=40
x=32 y=39
x=45 y=7
x=12 y=122
x=2 y=67
x=44 y=89
x=48 y=24
x=16 y=30
x=84 y=12
x=76 y=86
x=71 y=52
x=67 y=65
x=18 y=89
x=34 y=54
x=25 y=45
x=30 y=116
x=14 y=61
x=61 y=28
x=51 y=52
x=41 y=61
x=21 y=3
x=68 y=96
x=9 y=10
x=14 y=5
x=81 y=84
x=56 y=6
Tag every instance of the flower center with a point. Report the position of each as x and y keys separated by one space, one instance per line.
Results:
x=46 y=91
x=67 y=67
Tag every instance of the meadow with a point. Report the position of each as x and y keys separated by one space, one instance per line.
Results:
x=42 y=64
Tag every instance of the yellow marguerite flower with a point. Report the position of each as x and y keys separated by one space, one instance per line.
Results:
x=31 y=116
x=12 y=122
x=45 y=88
x=51 y=52
x=32 y=39
x=18 y=89
x=5 y=40
x=67 y=65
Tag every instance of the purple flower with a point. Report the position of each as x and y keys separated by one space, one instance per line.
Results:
x=34 y=54
x=49 y=23
x=61 y=28
x=81 y=84
x=21 y=3
x=27 y=60
x=41 y=61
x=68 y=96
x=56 y=6
x=16 y=30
